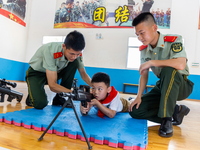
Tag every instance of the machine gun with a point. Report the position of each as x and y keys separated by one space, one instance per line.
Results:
x=79 y=94
x=4 y=89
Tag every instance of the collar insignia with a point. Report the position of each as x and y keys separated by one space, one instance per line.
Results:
x=57 y=55
x=170 y=38
x=143 y=47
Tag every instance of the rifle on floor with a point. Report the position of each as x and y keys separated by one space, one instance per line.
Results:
x=5 y=89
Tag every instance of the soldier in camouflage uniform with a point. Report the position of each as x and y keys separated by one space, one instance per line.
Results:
x=57 y=14
x=76 y=11
x=1 y=3
x=83 y=9
x=66 y=12
x=93 y=6
x=168 y=13
x=87 y=8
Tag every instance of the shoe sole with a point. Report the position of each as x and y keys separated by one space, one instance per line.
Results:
x=166 y=136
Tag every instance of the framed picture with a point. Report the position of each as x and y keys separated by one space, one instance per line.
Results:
x=109 y=13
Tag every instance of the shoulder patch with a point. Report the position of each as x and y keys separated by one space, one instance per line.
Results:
x=170 y=38
x=57 y=55
x=177 y=47
x=81 y=57
x=143 y=47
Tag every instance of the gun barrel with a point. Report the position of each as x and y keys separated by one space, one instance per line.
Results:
x=4 y=90
x=13 y=84
x=63 y=94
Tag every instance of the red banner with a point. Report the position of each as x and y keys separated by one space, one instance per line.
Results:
x=12 y=17
x=83 y=25
x=109 y=13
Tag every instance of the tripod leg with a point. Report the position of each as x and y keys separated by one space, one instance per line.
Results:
x=41 y=137
x=80 y=124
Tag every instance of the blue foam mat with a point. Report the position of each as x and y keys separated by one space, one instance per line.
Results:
x=120 y=131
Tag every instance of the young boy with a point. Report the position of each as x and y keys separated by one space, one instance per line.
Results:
x=106 y=99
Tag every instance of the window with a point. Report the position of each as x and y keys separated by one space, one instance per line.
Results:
x=48 y=39
x=133 y=60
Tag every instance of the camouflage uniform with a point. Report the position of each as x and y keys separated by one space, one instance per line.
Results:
x=76 y=11
x=93 y=6
x=1 y=3
x=87 y=13
x=57 y=18
x=65 y=15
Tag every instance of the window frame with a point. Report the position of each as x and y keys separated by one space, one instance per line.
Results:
x=133 y=44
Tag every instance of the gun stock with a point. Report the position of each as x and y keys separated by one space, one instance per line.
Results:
x=11 y=94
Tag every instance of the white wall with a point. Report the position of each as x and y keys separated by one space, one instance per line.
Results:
x=109 y=52
x=112 y=48
x=185 y=19
x=13 y=38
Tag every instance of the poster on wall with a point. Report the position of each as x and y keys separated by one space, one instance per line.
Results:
x=109 y=13
x=199 y=14
x=14 y=10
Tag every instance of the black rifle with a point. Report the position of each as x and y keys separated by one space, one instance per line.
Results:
x=82 y=95
x=4 y=89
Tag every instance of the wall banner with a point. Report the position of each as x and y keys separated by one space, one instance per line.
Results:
x=14 y=10
x=109 y=13
x=199 y=15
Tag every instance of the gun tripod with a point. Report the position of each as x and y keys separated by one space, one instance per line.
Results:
x=70 y=96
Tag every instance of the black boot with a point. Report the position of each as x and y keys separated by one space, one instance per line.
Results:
x=29 y=102
x=59 y=101
x=179 y=113
x=166 y=129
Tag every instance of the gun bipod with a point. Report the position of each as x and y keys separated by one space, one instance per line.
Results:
x=79 y=122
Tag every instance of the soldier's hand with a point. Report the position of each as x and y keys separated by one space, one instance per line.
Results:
x=136 y=102
x=145 y=66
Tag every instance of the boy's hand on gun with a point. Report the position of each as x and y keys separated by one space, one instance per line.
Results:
x=84 y=110
x=94 y=102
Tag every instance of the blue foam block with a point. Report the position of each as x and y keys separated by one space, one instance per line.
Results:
x=120 y=131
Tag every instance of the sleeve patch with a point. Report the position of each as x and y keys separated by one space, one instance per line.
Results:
x=81 y=58
x=177 y=47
